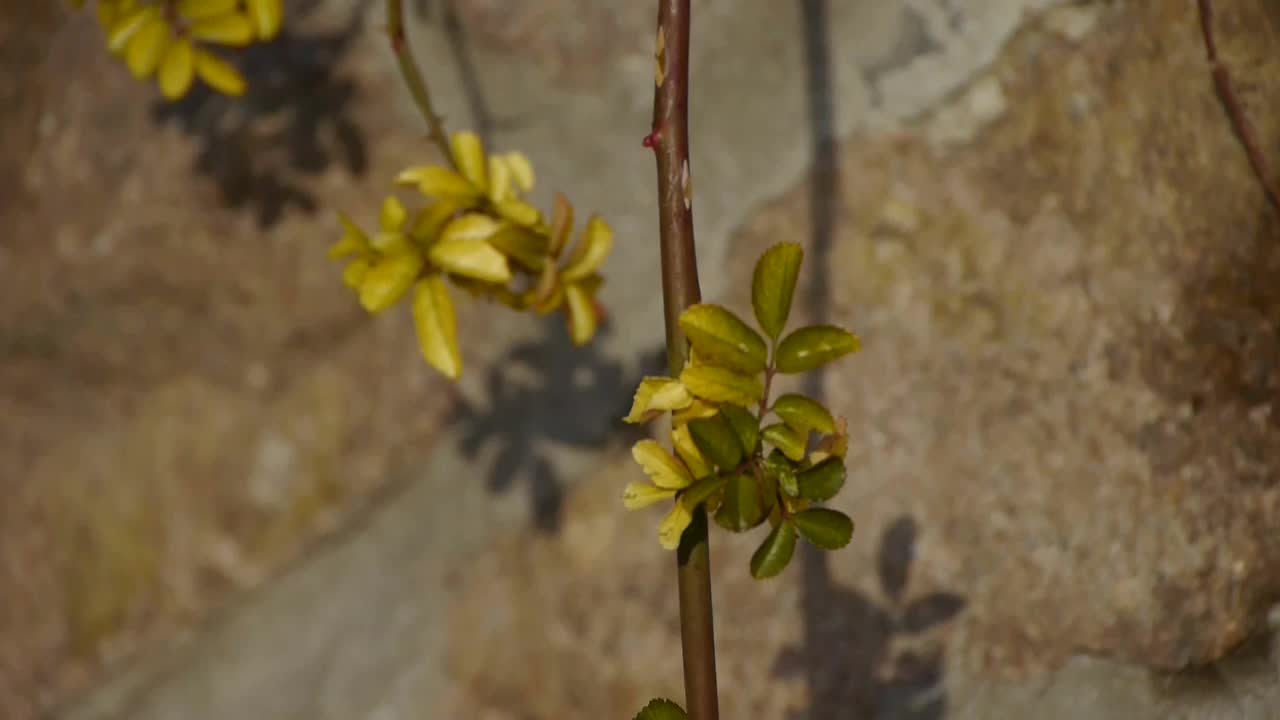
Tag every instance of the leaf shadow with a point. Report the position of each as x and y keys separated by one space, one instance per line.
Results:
x=294 y=123
x=863 y=658
x=548 y=396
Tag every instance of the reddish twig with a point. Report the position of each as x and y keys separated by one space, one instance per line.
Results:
x=1226 y=93
x=669 y=140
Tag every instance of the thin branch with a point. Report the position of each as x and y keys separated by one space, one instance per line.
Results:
x=1226 y=93
x=413 y=78
x=669 y=139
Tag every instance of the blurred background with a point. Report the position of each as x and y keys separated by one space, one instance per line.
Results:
x=229 y=493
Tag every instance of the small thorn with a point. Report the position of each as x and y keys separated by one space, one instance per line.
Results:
x=650 y=140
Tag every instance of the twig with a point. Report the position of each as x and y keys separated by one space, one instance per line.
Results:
x=669 y=139
x=1226 y=93
x=413 y=78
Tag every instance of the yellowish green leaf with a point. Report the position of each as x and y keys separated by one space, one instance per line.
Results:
x=741 y=509
x=822 y=481
x=470 y=258
x=717 y=441
x=393 y=214
x=177 y=69
x=437 y=325
x=814 y=346
x=388 y=280
x=773 y=285
x=561 y=225
x=430 y=220
x=439 y=182
x=354 y=273
x=745 y=424
x=127 y=24
x=147 y=47
x=828 y=529
x=661 y=467
x=204 y=9
x=696 y=409
x=232 y=30
x=660 y=709
x=657 y=395
x=673 y=526
x=688 y=451
x=721 y=385
x=642 y=494
x=518 y=212
x=393 y=243
x=701 y=491
x=526 y=247
x=582 y=314
x=720 y=338
x=593 y=247
x=268 y=16
x=468 y=153
x=219 y=74
x=775 y=552
x=790 y=442
x=804 y=414
x=470 y=227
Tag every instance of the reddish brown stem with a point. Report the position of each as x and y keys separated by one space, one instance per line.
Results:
x=413 y=78
x=1226 y=93
x=669 y=138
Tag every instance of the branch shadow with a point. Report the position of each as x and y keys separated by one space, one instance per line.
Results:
x=549 y=396
x=849 y=657
x=295 y=121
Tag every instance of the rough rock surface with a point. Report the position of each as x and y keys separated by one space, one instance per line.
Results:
x=1062 y=266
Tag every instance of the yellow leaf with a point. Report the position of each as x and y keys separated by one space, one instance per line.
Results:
x=468 y=153
x=697 y=409
x=582 y=314
x=177 y=70
x=439 y=182
x=592 y=249
x=437 y=326
x=472 y=226
x=202 y=9
x=642 y=494
x=430 y=220
x=721 y=385
x=682 y=441
x=661 y=467
x=523 y=245
x=393 y=243
x=673 y=526
x=232 y=29
x=656 y=395
x=147 y=47
x=519 y=212
x=521 y=170
x=268 y=16
x=388 y=280
x=127 y=24
x=354 y=273
x=470 y=258
x=393 y=214
x=219 y=74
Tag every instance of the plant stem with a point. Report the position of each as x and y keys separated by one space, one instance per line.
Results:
x=669 y=139
x=414 y=80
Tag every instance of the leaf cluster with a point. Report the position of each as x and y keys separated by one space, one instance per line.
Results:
x=171 y=39
x=475 y=232
x=747 y=459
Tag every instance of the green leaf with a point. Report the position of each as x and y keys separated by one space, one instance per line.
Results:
x=714 y=436
x=720 y=338
x=741 y=509
x=775 y=552
x=783 y=472
x=814 y=346
x=697 y=493
x=828 y=529
x=662 y=710
x=786 y=439
x=525 y=247
x=804 y=414
x=822 y=481
x=722 y=385
x=773 y=284
x=745 y=424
